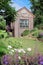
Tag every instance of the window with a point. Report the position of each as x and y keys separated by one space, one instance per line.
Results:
x=23 y=22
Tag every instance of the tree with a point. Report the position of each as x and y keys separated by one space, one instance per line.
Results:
x=7 y=11
x=37 y=9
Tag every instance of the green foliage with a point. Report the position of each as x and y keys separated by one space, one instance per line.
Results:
x=35 y=29
x=40 y=27
x=15 y=44
x=9 y=12
x=3 y=34
x=21 y=62
x=37 y=9
x=19 y=43
x=4 y=43
x=3 y=48
x=2 y=22
x=35 y=32
x=26 y=32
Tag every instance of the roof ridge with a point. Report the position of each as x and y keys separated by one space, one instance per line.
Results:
x=26 y=9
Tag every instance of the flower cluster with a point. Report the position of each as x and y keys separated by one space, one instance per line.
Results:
x=16 y=59
x=21 y=50
x=9 y=47
x=29 y=49
x=5 y=60
x=40 y=60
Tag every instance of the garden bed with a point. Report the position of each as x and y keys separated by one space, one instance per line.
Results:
x=25 y=59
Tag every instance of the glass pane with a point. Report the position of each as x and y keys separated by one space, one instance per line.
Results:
x=23 y=23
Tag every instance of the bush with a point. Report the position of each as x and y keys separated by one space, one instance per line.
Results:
x=8 y=42
x=3 y=34
x=26 y=32
x=3 y=48
x=35 y=29
x=35 y=34
x=40 y=26
x=2 y=23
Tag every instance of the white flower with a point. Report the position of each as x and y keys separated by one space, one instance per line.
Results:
x=9 y=46
x=12 y=50
x=19 y=50
x=23 y=51
x=19 y=57
x=28 y=49
x=16 y=49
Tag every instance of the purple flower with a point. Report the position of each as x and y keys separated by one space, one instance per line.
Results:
x=41 y=60
x=5 y=60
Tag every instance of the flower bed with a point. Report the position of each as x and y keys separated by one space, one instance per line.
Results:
x=22 y=60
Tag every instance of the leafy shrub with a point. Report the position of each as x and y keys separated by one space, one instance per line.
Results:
x=35 y=29
x=2 y=23
x=26 y=32
x=15 y=44
x=3 y=34
x=40 y=26
x=3 y=48
x=6 y=42
x=35 y=34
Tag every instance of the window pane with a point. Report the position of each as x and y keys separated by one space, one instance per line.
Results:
x=23 y=22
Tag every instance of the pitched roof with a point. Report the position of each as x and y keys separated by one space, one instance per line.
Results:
x=26 y=9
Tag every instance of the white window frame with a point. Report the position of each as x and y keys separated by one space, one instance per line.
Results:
x=24 y=23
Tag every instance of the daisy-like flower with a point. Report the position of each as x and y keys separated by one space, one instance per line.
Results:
x=15 y=49
x=19 y=50
x=9 y=46
x=22 y=50
x=28 y=49
x=19 y=57
x=12 y=50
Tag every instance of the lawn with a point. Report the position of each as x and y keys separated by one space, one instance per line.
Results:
x=35 y=45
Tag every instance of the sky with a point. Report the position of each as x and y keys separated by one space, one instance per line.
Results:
x=21 y=3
